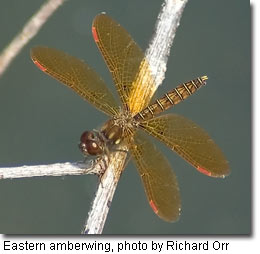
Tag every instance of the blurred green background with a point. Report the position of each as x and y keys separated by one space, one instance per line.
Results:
x=41 y=120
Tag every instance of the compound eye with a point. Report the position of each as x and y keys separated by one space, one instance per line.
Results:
x=90 y=143
x=93 y=148
x=86 y=136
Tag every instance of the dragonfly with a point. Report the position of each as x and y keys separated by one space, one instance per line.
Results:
x=131 y=120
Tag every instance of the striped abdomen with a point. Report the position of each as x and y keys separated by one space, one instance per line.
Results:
x=171 y=98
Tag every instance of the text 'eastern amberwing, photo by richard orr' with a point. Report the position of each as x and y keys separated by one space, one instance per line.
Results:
x=136 y=115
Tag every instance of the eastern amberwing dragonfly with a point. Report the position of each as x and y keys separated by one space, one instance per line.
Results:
x=136 y=116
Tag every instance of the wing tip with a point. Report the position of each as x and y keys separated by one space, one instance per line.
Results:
x=174 y=217
x=41 y=67
x=221 y=174
x=154 y=207
x=101 y=15
x=204 y=171
x=94 y=33
x=98 y=16
x=34 y=52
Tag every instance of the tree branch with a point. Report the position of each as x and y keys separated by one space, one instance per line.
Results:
x=165 y=29
x=57 y=169
x=29 y=30
x=104 y=195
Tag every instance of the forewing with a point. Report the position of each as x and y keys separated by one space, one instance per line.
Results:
x=190 y=141
x=158 y=178
x=126 y=62
x=77 y=75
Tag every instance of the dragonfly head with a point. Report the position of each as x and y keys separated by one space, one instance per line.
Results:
x=91 y=143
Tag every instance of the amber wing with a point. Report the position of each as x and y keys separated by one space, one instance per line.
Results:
x=77 y=75
x=125 y=61
x=159 y=180
x=190 y=141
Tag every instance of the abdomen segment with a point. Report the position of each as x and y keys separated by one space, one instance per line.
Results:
x=171 y=98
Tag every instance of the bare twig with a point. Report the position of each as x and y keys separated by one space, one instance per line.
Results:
x=57 y=169
x=28 y=32
x=157 y=55
x=165 y=30
x=104 y=195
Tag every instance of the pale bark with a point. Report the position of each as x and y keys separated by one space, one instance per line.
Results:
x=29 y=30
